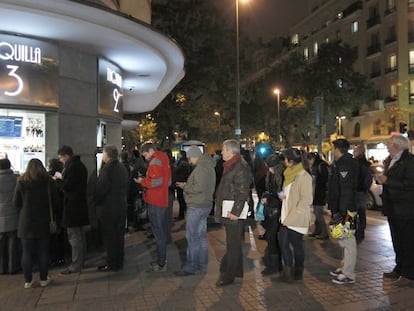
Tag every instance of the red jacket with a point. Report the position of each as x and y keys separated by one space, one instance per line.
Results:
x=157 y=180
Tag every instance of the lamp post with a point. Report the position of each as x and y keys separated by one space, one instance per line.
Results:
x=238 y=129
x=340 y=118
x=217 y=114
x=277 y=92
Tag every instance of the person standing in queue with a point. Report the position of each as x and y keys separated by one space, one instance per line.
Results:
x=111 y=200
x=234 y=186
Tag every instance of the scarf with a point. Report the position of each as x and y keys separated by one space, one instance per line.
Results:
x=290 y=173
x=229 y=163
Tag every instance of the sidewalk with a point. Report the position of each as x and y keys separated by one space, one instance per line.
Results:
x=134 y=289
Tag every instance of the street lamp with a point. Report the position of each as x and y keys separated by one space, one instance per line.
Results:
x=217 y=114
x=340 y=118
x=238 y=129
x=277 y=92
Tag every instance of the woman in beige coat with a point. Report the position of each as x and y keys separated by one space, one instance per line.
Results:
x=295 y=215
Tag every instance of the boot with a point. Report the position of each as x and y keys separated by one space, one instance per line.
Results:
x=286 y=275
x=273 y=265
x=298 y=273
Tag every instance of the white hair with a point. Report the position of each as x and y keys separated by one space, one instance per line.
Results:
x=400 y=142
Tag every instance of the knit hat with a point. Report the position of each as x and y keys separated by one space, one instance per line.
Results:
x=272 y=160
x=194 y=152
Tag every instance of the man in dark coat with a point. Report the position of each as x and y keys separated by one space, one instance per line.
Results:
x=111 y=198
x=75 y=208
x=398 y=198
x=234 y=186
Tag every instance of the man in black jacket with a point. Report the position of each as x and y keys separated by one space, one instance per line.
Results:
x=341 y=202
x=75 y=208
x=111 y=197
x=398 y=198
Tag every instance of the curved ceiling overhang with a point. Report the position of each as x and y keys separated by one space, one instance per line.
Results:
x=151 y=62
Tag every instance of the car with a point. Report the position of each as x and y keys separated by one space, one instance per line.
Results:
x=374 y=199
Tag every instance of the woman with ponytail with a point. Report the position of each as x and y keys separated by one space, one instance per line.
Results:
x=295 y=215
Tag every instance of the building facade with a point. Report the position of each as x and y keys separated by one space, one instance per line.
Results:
x=71 y=70
x=382 y=35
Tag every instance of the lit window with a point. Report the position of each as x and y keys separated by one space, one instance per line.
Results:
x=340 y=83
x=412 y=56
x=295 y=39
x=390 y=4
x=410 y=3
x=392 y=61
x=306 y=53
x=393 y=90
x=315 y=48
x=340 y=15
x=411 y=90
x=326 y=39
x=354 y=26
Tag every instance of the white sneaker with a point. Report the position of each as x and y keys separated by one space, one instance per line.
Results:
x=45 y=282
x=28 y=285
x=336 y=272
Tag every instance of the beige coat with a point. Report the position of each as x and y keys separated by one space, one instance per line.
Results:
x=299 y=202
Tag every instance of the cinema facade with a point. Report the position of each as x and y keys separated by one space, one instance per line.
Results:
x=70 y=71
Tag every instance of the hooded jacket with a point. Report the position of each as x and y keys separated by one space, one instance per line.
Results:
x=200 y=185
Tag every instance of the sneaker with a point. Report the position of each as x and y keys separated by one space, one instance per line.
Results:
x=343 y=279
x=157 y=268
x=336 y=272
x=155 y=263
x=45 y=282
x=28 y=285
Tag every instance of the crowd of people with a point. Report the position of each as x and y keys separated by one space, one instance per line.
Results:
x=289 y=184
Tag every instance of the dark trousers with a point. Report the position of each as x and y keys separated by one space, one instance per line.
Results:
x=232 y=263
x=113 y=237
x=9 y=252
x=272 y=228
x=41 y=248
x=402 y=234
x=289 y=237
x=181 y=202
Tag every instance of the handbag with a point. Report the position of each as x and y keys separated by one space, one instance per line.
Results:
x=52 y=222
x=260 y=211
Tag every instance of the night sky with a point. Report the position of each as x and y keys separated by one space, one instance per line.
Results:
x=266 y=18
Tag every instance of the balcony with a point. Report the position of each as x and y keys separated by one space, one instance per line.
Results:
x=375 y=74
x=390 y=39
x=375 y=20
x=354 y=7
x=373 y=49
x=411 y=69
x=390 y=11
x=390 y=69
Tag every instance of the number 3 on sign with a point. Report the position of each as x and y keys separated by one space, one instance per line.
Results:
x=12 y=73
x=116 y=96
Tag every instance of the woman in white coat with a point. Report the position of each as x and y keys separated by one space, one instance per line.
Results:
x=295 y=215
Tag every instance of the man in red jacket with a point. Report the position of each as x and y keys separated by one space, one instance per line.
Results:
x=155 y=184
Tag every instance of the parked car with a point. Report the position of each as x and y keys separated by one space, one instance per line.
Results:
x=374 y=200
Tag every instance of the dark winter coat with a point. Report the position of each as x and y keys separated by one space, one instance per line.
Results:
x=320 y=174
x=31 y=199
x=111 y=191
x=74 y=183
x=398 y=191
x=9 y=216
x=342 y=185
x=234 y=185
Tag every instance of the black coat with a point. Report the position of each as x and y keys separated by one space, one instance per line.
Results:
x=32 y=200
x=111 y=191
x=398 y=191
x=320 y=172
x=74 y=182
x=342 y=185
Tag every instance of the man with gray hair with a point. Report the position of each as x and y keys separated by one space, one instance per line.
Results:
x=235 y=188
x=398 y=198
x=111 y=200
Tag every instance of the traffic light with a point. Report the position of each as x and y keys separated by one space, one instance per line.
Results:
x=403 y=127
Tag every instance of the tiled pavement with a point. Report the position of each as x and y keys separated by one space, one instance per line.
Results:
x=135 y=289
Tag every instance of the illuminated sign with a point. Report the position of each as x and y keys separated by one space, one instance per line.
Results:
x=28 y=72
x=110 y=89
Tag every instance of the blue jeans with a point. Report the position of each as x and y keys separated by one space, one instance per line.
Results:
x=77 y=240
x=196 y=234
x=157 y=217
x=30 y=247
